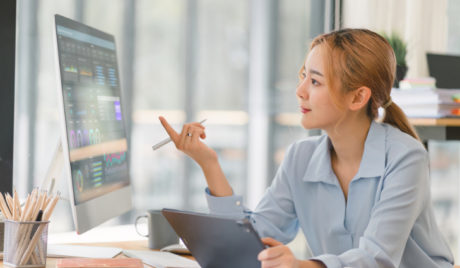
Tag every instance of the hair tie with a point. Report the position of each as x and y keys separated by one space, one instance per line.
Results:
x=388 y=103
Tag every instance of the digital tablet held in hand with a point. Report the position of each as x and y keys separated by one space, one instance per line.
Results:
x=217 y=241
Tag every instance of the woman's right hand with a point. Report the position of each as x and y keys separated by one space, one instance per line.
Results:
x=191 y=146
x=202 y=154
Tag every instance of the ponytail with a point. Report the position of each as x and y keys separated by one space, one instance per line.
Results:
x=395 y=116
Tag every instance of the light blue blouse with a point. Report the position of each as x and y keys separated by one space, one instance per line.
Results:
x=388 y=220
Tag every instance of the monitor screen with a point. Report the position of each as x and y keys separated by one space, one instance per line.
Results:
x=445 y=69
x=96 y=134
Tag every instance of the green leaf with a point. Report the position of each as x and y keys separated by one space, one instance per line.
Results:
x=399 y=47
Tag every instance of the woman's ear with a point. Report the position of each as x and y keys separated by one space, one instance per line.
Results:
x=360 y=98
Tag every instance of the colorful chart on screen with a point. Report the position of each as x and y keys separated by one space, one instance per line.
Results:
x=93 y=111
x=78 y=177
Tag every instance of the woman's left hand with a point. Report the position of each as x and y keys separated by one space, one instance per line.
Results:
x=281 y=256
x=278 y=255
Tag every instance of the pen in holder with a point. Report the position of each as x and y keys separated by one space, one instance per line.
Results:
x=25 y=243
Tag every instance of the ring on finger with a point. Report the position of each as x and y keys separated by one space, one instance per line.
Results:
x=188 y=134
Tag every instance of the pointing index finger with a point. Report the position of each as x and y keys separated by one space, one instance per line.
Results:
x=171 y=132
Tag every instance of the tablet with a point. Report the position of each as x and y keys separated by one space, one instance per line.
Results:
x=217 y=241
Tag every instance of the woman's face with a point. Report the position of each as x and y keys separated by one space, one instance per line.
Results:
x=318 y=111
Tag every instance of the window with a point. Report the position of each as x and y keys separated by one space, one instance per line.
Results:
x=453 y=38
x=184 y=60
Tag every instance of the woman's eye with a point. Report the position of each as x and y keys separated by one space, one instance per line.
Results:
x=303 y=75
x=314 y=82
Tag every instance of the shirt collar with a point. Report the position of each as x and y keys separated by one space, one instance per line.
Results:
x=372 y=164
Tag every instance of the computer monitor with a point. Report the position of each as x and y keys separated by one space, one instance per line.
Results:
x=94 y=144
x=445 y=68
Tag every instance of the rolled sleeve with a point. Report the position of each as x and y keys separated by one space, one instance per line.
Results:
x=345 y=259
x=229 y=206
x=331 y=261
x=275 y=215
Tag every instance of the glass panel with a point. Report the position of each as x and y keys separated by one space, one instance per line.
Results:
x=292 y=39
x=221 y=90
x=445 y=171
x=453 y=36
x=159 y=81
x=37 y=107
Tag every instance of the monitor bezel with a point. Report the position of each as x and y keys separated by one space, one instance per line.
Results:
x=96 y=211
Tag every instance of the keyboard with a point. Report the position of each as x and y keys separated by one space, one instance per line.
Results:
x=161 y=259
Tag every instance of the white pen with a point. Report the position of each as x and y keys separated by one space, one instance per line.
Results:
x=155 y=147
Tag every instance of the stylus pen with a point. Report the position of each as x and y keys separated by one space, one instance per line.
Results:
x=155 y=147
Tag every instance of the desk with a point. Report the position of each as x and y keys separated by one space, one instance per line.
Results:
x=442 y=129
x=451 y=122
x=134 y=245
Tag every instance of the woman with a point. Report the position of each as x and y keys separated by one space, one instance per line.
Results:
x=360 y=193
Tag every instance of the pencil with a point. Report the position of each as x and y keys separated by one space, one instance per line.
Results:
x=39 y=206
x=37 y=235
x=9 y=201
x=17 y=201
x=25 y=207
x=48 y=200
x=18 y=236
x=15 y=214
x=49 y=210
x=20 y=231
x=24 y=232
x=6 y=210
x=45 y=197
x=5 y=214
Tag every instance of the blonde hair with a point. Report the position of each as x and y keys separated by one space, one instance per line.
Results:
x=357 y=58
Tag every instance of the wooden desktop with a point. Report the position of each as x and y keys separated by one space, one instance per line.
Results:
x=132 y=245
x=447 y=122
x=440 y=129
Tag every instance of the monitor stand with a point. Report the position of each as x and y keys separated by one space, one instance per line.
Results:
x=54 y=170
x=62 y=251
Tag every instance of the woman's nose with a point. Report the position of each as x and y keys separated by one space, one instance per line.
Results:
x=302 y=90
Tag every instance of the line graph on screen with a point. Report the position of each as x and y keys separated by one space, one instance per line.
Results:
x=115 y=162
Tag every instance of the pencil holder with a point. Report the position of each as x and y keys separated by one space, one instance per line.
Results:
x=2 y=231
x=25 y=244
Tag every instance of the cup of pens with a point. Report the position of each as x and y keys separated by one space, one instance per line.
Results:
x=26 y=228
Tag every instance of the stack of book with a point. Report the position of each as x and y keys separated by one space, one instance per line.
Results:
x=409 y=83
x=425 y=102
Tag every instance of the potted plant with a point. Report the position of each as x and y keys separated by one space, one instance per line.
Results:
x=400 y=48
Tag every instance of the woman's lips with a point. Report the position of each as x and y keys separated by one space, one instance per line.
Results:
x=304 y=110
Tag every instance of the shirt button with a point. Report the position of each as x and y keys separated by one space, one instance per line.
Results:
x=238 y=203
